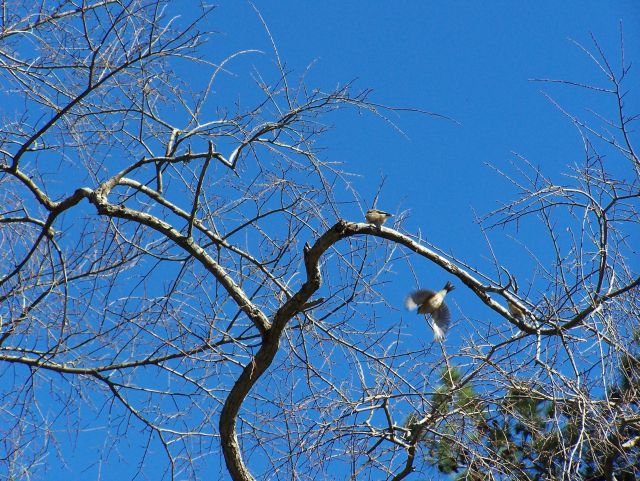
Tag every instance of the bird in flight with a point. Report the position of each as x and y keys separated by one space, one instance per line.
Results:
x=432 y=302
x=377 y=217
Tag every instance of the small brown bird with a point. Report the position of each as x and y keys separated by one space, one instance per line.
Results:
x=432 y=302
x=377 y=217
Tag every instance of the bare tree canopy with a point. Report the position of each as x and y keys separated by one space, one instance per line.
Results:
x=182 y=293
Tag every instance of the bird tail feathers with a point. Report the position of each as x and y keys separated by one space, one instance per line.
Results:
x=438 y=334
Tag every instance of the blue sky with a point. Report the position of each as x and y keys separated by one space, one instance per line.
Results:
x=467 y=60
x=471 y=61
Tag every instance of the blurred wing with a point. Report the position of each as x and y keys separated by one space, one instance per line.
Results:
x=417 y=298
x=442 y=318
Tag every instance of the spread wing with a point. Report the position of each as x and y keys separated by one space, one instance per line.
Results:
x=442 y=319
x=417 y=298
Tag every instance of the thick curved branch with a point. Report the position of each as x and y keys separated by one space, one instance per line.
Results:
x=482 y=290
x=265 y=355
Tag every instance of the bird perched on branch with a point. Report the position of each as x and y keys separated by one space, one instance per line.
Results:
x=432 y=302
x=377 y=217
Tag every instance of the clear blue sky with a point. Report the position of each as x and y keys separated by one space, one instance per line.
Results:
x=471 y=61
